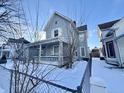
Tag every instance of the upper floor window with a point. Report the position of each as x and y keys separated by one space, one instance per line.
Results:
x=56 y=33
x=56 y=22
x=81 y=37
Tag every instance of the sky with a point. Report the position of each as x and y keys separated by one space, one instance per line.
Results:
x=90 y=12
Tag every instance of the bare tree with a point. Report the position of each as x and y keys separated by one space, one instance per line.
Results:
x=10 y=17
x=72 y=43
x=11 y=26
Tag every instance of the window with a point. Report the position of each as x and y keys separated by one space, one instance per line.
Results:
x=76 y=54
x=110 y=49
x=56 y=50
x=82 y=51
x=56 y=33
x=43 y=51
x=103 y=50
x=81 y=37
x=56 y=22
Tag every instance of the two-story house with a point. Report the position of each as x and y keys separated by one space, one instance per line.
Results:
x=63 y=39
x=112 y=41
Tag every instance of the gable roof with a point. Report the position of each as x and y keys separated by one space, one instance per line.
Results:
x=20 y=40
x=108 y=24
x=63 y=16
x=82 y=28
x=60 y=15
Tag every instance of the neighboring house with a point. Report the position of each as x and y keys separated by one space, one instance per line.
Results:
x=13 y=46
x=112 y=38
x=61 y=33
x=95 y=52
x=40 y=35
x=83 y=49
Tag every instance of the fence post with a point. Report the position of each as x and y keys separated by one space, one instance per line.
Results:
x=11 y=76
x=90 y=64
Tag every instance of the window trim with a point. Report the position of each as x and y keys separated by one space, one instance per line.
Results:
x=54 y=32
x=81 y=52
x=108 y=50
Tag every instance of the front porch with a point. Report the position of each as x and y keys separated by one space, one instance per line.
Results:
x=48 y=52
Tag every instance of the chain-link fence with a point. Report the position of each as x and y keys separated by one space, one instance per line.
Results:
x=41 y=85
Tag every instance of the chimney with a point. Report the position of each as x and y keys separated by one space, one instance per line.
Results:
x=74 y=22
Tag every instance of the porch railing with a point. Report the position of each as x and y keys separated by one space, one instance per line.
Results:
x=46 y=58
x=49 y=58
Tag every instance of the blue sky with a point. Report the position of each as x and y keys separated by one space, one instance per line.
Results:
x=90 y=12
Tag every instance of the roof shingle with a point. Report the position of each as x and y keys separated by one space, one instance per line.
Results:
x=82 y=28
x=108 y=24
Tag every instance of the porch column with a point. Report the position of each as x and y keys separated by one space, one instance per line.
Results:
x=40 y=48
x=104 y=43
x=117 y=52
x=60 y=53
x=1 y=52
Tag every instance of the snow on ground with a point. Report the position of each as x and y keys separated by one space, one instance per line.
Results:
x=70 y=78
x=9 y=64
x=1 y=90
x=113 y=77
x=4 y=80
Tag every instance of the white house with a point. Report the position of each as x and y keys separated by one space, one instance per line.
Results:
x=112 y=41
x=61 y=32
x=10 y=48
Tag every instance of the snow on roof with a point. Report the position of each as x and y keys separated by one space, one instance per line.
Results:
x=20 y=40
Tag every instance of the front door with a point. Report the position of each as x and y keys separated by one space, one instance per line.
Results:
x=110 y=49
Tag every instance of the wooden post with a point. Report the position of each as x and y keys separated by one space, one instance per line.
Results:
x=60 y=53
x=11 y=78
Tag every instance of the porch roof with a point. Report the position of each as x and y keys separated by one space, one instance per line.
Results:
x=47 y=41
x=106 y=38
x=107 y=24
x=120 y=36
x=113 y=38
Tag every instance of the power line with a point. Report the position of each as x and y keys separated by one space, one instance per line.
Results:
x=25 y=19
x=30 y=16
x=37 y=17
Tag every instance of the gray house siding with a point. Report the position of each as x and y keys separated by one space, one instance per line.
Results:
x=67 y=35
x=83 y=44
x=63 y=25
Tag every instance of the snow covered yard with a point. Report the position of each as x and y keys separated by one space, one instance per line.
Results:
x=70 y=78
x=4 y=80
x=113 y=77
